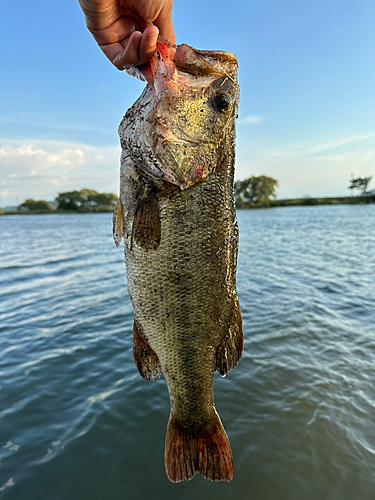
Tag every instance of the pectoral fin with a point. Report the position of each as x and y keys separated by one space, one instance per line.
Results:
x=147 y=225
x=118 y=223
x=145 y=358
x=228 y=352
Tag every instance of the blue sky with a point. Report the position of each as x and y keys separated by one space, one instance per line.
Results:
x=307 y=78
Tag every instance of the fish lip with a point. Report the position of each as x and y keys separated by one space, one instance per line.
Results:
x=167 y=133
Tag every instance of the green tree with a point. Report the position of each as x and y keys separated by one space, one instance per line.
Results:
x=361 y=184
x=31 y=205
x=255 y=191
x=70 y=200
x=103 y=200
x=86 y=200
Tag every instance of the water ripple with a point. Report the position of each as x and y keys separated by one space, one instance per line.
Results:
x=76 y=419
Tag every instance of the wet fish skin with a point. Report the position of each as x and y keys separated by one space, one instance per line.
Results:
x=181 y=239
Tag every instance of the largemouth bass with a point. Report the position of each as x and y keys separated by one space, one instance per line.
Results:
x=177 y=216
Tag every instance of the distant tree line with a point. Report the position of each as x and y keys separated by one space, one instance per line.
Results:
x=260 y=191
x=86 y=200
x=31 y=205
x=255 y=192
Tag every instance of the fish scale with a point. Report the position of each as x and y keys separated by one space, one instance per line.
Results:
x=180 y=252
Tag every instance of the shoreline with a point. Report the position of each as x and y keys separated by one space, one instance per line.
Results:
x=52 y=212
x=296 y=202
x=307 y=202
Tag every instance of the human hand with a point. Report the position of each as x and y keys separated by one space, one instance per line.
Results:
x=127 y=30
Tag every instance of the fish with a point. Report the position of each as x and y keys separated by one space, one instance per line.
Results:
x=176 y=215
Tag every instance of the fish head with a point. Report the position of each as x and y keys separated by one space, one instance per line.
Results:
x=191 y=104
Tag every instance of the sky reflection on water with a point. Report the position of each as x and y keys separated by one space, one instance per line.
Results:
x=78 y=421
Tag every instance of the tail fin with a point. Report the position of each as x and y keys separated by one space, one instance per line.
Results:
x=206 y=451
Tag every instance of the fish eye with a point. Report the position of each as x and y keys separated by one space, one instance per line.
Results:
x=222 y=101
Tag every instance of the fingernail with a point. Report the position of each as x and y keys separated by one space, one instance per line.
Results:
x=151 y=39
x=137 y=42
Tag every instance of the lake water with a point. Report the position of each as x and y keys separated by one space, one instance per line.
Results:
x=76 y=419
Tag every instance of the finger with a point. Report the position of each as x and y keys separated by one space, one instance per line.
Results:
x=118 y=31
x=130 y=55
x=114 y=52
x=148 y=44
x=124 y=54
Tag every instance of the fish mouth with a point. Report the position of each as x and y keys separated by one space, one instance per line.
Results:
x=180 y=139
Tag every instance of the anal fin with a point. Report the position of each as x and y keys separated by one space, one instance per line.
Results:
x=229 y=350
x=145 y=358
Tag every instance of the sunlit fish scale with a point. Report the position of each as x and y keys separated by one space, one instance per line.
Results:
x=177 y=217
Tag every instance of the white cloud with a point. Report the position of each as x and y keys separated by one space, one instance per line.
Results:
x=35 y=154
x=338 y=142
x=252 y=119
x=320 y=169
x=41 y=169
x=30 y=119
